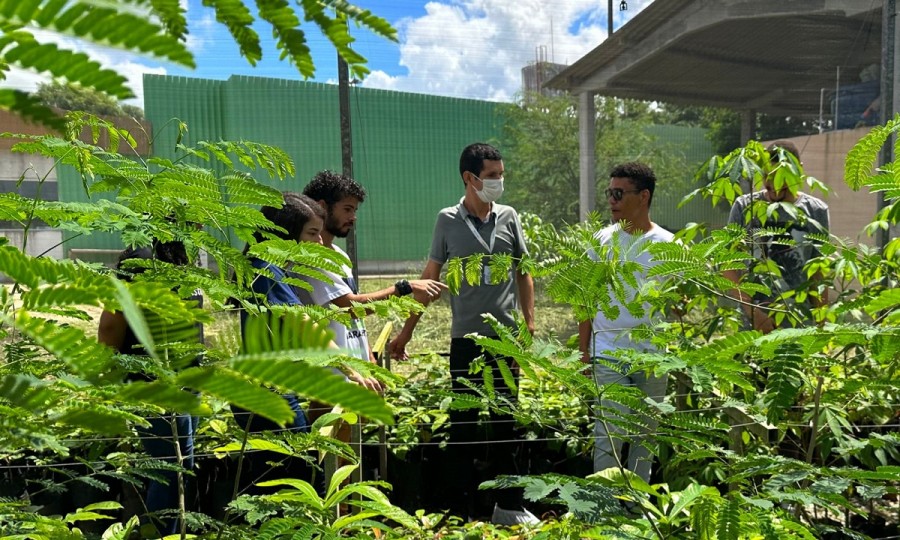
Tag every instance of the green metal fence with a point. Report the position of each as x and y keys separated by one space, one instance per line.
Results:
x=405 y=147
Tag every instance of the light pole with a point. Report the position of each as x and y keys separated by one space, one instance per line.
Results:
x=623 y=5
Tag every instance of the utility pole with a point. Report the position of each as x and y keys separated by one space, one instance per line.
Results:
x=889 y=101
x=609 y=28
x=623 y=6
x=347 y=150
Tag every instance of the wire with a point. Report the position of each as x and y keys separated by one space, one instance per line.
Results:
x=397 y=444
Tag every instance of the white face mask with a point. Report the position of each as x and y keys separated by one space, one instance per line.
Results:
x=491 y=189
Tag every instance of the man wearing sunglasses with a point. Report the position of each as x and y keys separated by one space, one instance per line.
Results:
x=630 y=193
x=783 y=239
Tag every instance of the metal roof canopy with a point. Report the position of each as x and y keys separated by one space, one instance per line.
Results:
x=770 y=56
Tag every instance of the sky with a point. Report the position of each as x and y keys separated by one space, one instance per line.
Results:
x=458 y=48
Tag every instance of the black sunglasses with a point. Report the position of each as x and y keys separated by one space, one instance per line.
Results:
x=617 y=193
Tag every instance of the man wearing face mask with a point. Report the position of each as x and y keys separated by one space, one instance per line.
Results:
x=477 y=224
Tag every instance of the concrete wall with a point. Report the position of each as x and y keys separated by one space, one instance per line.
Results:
x=40 y=241
x=823 y=157
x=39 y=177
x=32 y=166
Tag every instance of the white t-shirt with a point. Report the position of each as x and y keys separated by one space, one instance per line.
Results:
x=353 y=338
x=610 y=335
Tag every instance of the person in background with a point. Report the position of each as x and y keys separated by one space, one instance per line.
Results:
x=159 y=438
x=790 y=249
x=340 y=197
x=630 y=193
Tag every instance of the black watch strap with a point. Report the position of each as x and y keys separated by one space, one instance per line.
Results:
x=403 y=287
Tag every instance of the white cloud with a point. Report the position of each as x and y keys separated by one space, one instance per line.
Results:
x=125 y=64
x=20 y=79
x=462 y=48
x=200 y=29
x=477 y=48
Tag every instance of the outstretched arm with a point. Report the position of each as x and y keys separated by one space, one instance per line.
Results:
x=423 y=290
x=397 y=346
x=585 y=331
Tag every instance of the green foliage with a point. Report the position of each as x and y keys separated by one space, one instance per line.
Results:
x=68 y=388
x=316 y=516
x=587 y=501
x=540 y=142
x=422 y=410
x=157 y=29
x=75 y=98
x=762 y=432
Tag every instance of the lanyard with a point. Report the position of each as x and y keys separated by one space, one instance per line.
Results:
x=489 y=247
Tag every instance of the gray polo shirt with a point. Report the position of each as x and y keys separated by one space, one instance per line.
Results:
x=454 y=239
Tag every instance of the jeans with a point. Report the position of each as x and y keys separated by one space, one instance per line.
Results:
x=608 y=444
x=159 y=443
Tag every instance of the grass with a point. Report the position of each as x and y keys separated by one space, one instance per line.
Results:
x=433 y=331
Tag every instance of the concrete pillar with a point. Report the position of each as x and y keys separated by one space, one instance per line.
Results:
x=587 y=185
x=890 y=101
x=748 y=125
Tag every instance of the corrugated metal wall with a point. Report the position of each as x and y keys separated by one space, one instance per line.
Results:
x=406 y=146
x=195 y=101
x=406 y=150
x=691 y=144
x=71 y=189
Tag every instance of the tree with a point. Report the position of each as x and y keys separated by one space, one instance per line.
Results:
x=724 y=125
x=540 y=141
x=76 y=98
x=158 y=29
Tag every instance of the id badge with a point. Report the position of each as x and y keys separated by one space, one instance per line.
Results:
x=486 y=275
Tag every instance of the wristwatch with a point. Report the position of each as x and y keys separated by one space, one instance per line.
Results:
x=402 y=287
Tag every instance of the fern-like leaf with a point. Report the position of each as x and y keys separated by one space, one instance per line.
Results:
x=288 y=36
x=99 y=418
x=84 y=356
x=239 y=21
x=858 y=168
x=312 y=382
x=20 y=48
x=237 y=389
x=728 y=521
x=27 y=392
x=785 y=381
x=165 y=396
x=126 y=29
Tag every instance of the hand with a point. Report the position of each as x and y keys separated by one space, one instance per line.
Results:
x=371 y=383
x=396 y=348
x=588 y=370
x=426 y=291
